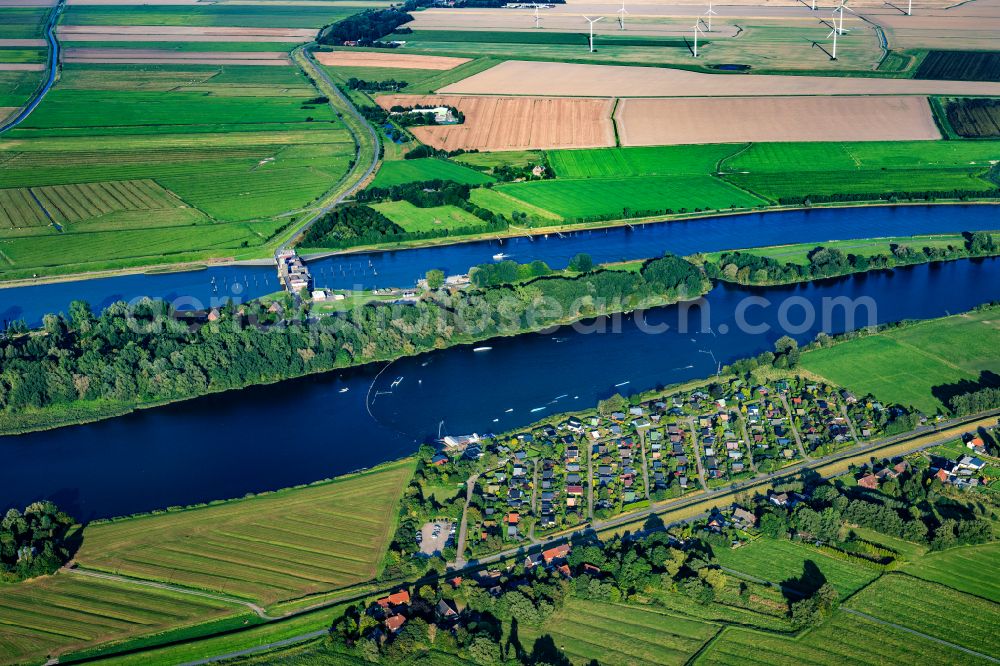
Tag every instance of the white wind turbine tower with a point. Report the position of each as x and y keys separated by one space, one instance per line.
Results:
x=840 y=10
x=697 y=29
x=621 y=16
x=710 y=13
x=833 y=33
x=592 y=22
x=538 y=19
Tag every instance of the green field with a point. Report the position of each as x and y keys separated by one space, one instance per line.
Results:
x=54 y=614
x=252 y=16
x=506 y=205
x=932 y=609
x=644 y=161
x=269 y=548
x=412 y=218
x=611 y=198
x=511 y=157
x=843 y=639
x=903 y=365
x=968 y=569
x=399 y=172
x=777 y=170
x=419 y=81
x=783 y=561
x=620 y=634
x=168 y=164
x=23 y=22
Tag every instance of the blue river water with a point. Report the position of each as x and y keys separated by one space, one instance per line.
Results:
x=302 y=430
x=402 y=268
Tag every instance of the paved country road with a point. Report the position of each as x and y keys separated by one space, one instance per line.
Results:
x=52 y=69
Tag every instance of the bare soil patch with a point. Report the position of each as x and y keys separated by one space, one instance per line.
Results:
x=516 y=77
x=393 y=60
x=515 y=123
x=15 y=43
x=21 y=67
x=162 y=57
x=665 y=122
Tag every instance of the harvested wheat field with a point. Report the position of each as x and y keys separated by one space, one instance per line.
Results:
x=515 y=123
x=394 y=60
x=175 y=33
x=516 y=77
x=163 y=57
x=668 y=122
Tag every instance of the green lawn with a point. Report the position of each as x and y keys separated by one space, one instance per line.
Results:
x=903 y=365
x=970 y=569
x=651 y=161
x=783 y=561
x=409 y=171
x=932 y=609
x=613 y=197
x=412 y=218
x=620 y=634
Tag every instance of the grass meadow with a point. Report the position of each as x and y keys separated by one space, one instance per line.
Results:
x=269 y=548
x=412 y=218
x=507 y=205
x=965 y=569
x=777 y=170
x=168 y=163
x=59 y=613
x=639 y=161
x=844 y=638
x=799 y=253
x=904 y=365
x=23 y=22
x=620 y=634
x=398 y=172
x=782 y=561
x=244 y=16
x=932 y=609
x=624 y=197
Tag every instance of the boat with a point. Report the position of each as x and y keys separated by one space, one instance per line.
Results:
x=622 y=383
x=481 y=349
x=344 y=390
x=396 y=383
x=499 y=256
x=537 y=409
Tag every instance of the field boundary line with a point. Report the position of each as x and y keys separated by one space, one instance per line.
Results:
x=258 y=610
x=693 y=659
x=267 y=647
x=899 y=627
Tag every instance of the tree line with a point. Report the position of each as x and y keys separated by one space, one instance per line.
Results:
x=129 y=355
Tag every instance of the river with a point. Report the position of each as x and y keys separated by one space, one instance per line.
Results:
x=298 y=431
x=401 y=268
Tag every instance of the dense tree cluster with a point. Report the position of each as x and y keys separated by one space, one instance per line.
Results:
x=422 y=115
x=33 y=543
x=368 y=26
x=388 y=85
x=507 y=272
x=353 y=225
x=752 y=268
x=976 y=401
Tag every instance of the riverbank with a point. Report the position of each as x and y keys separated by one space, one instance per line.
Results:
x=803 y=262
x=297 y=352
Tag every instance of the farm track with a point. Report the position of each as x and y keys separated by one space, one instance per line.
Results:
x=52 y=68
x=356 y=125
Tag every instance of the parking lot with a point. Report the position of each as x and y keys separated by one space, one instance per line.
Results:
x=435 y=536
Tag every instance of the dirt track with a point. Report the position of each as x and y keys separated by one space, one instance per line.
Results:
x=565 y=79
x=391 y=59
x=664 y=122
x=515 y=123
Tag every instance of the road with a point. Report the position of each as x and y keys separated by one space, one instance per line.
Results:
x=791 y=425
x=697 y=452
x=353 y=181
x=52 y=69
x=645 y=465
x=746 y=438
x=463 y=528
x=945 y=431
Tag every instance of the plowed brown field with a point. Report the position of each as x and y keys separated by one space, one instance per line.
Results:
x=665 y=122
x=515 y=123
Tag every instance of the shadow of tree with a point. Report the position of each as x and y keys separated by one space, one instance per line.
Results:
x=805 y=585
x=545 y=651
x=945 y=392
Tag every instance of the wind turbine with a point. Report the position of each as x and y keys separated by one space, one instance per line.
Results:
x=839 y=9
x=621 y=16
x=833 y=33
x=697 y=29
x=710 y=13
x=538 y=19
x=592 y=22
